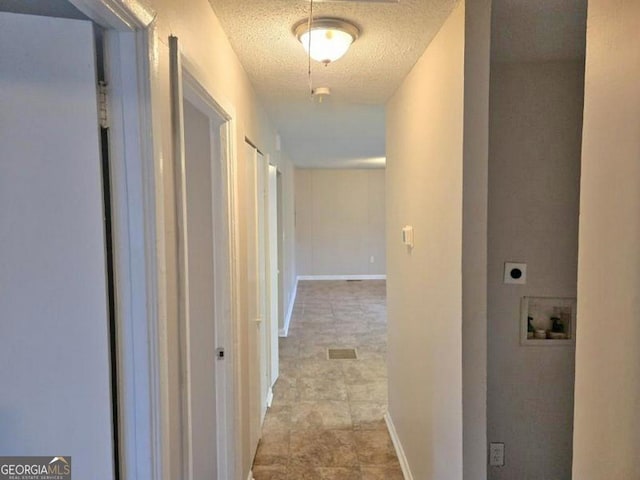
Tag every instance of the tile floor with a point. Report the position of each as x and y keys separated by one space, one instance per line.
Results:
x=326 y=421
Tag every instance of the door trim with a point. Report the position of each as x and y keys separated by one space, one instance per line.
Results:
x=120 y=15
x=273 y=269
x=187 y=85
x=137 y=219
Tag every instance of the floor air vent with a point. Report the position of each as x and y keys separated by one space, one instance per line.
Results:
x=342 y=354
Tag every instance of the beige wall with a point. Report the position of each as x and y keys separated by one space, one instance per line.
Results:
x=424 y=285
x=340 y=219
x=607 y=400
x=534 y=176
x=211 y=59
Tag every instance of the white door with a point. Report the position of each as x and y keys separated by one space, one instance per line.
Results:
x=54 y=334
x=263 y=280
x=273 y=274
x=256 y=307
x=201 y=340
x=281 y=239
x=202 y=145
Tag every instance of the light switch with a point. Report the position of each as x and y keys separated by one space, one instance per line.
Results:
x=407 y=236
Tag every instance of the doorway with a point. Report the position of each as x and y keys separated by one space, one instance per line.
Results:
x=264 y=272
x=257 y=275
x=203 y=145
x=55 y=348
x=274 y=283
x=535 y=126
x=281 y=267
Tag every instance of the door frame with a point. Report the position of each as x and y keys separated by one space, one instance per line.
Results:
x=259 y=168
x=259 y=308
x=273 y=287
x=186 y=85
x=137 y=217
x=281 y=264
x=266 y=292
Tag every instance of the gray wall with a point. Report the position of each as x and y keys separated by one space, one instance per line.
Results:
x=340 y=219
x=475 y=186
x=534 y=170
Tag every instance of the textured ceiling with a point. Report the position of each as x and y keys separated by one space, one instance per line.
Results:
x=348 y=127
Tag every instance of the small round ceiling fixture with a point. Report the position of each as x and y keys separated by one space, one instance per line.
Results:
x=319 y=93
x=328 y=39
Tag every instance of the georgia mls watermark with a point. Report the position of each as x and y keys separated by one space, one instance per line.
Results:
x=35 y=468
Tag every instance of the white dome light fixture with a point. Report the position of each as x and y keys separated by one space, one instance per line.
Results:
x=328 y=39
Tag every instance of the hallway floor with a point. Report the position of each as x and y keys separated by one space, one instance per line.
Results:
x=326 y=421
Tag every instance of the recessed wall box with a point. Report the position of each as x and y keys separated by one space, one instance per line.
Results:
x=496 y=454
x=407 y=236
x=515 y=273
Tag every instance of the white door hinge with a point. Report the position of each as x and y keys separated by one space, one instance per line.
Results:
x=103 y=111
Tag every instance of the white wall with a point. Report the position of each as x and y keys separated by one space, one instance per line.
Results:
x=424 y=189
x=607 y=400
x=534 y=175
x=340 y=221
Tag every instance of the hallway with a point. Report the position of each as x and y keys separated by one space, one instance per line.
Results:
x=326 y=421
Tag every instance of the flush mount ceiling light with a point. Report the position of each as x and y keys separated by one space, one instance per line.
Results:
x=326 y=39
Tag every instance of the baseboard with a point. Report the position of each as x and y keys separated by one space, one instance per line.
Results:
x=269 y=397
x=342 y=277
x=283 y=332
x=402 y=458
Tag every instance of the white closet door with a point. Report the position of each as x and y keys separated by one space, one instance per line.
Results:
x=263 y=292
x=273 y=274
x=54 y=336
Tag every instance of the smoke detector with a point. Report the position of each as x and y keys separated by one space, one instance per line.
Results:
x=319 y=93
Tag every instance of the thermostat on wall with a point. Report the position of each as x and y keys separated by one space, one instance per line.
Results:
x=407 y=236
x=515 y=273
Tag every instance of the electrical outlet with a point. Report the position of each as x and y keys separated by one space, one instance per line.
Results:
x=372 y=259
x=496 y=454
